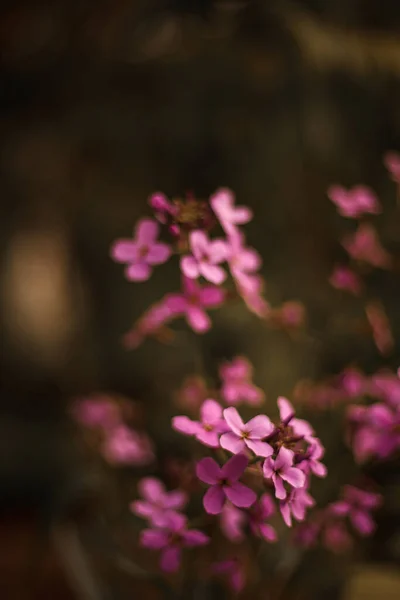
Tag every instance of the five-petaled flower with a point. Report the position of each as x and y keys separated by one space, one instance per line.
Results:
x=224 y=482
x=229 y=215
x=158 y=504
x=206 y=431
x=281 y=469
x=236 y=382
x=142 y=252
x=170 y=539
x=205 y=259
x=246 y=435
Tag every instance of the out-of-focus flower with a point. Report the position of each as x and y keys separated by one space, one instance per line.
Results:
x=151 y=323
x=243 y=262
x=364 y=245
x=310 y=461
x=357 y=504
x=354 y=202
x=386 y=386
x=98 y=411
x=380 y=326
x=229 y=215
x=344 y=278
x=259 y=513
x=158 y=504
x=163 y=208
x=392 y=163
x=224 y=482
x=232 y=521
x=353 y=383
x=233 y=569
x=374 y=430
x=192 y=393
x=237 y=385
x=192 y=301
x=281 y=469
x=296 y=503
x=300 y=427
x=206 y=431
x=125 y=446
x=250 y=287
x=336 y=537
x=171 y=539
x=290 y=315
x=246 y=435
x=141 y=253
x=205 y=259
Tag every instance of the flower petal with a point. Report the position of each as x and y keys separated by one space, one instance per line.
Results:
x=284 y=458
x=175 y=499
x=234 y=420
x=194 y=537
x=146 y=231
x=142 y=508
x=293 y=476
x=210 y=411
x=268 y=532
x=218 y=251
x=286 y=409
x=208 y=438
x=280 y=491
x=158 y=253
x=199 y=243
x=213 y=500
x=211 y=296
x=189 y=267
x=170 y=559
x=198 y=320
x=138 y=272
x=124 y=251
x=151 y=488
x=185 y=425
x=240 y=495
x=208 y=471
x=268 y=468
x=212 y=273
x=286 y=513
x=259 y=448
x=153 y=538
x=259 y=427
x=231 y=442
x=235 y=467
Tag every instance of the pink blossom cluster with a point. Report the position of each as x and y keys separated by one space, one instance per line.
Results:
x=330 y=526
x=119 y=444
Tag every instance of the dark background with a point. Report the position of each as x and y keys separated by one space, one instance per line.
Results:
x=102 y=103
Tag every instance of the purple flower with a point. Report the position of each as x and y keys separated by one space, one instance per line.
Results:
x=229 y=215
x=207 y=430
x=364 y=245
x=205 y=258
x=157 y=504
x=354 y=202
x=280 y=470
x=357 y=504
x=170 y=539
x=142 y=252
x=234 y=571
x=343 y=278
x=232 y=522
x=224 y=482
x=310 y=462
x=296 y=504
x=258 y=515
x=248 y=434
x=300 y=427
x=236 y=382
x=126 y=446
x=163 y=208
x=192 y=302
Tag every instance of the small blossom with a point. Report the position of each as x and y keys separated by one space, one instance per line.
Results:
x=232 y=521
x=224 y=482
x=392 y=163
x=142 y=252
x=381 y=331
x=96 y=412
x=237 y=386
x=192 y=302
x=126 y=446
x=296 y=503
x=281 y=469
x=205 y=259
x=344 y=278
x=386 y=385
x=229 y=215
x=248 y=434
x=258 y=515
x=207 y=430
x=234 y=571
x=170 y=539
x=310 y=462
x=357 y=504
x=163 y=208
x=158 y=504
x=354 y=202
x=364 y=245
x=353 y=383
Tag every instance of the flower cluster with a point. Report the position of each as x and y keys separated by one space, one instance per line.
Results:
x=330 y=525
x=119 y=444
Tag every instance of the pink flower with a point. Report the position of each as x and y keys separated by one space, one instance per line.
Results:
x=392 y=163
x=258 y=515
x=170 y=539
x=236 y=382
x=142 y=252
x=357 y=505
x=205 y=258
x=364 y=245
x=354 y=202
x=96 y=412
x=375 y=430
x=300 y=427
x=157 y=505
x=296 y=504
x=162 y=207
x=381 y=331
x=192 y=302
x=207 y=430
x=248 y=434
x=229 y=215
x=232 y=522
x=310 y=461
x=250 y=288
x=242 y=261
x=280 y=470
x=234 y=571
x=224 y=482
x=386 y=385
x=353 y=382
x=343 y=278
x=126 y=446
